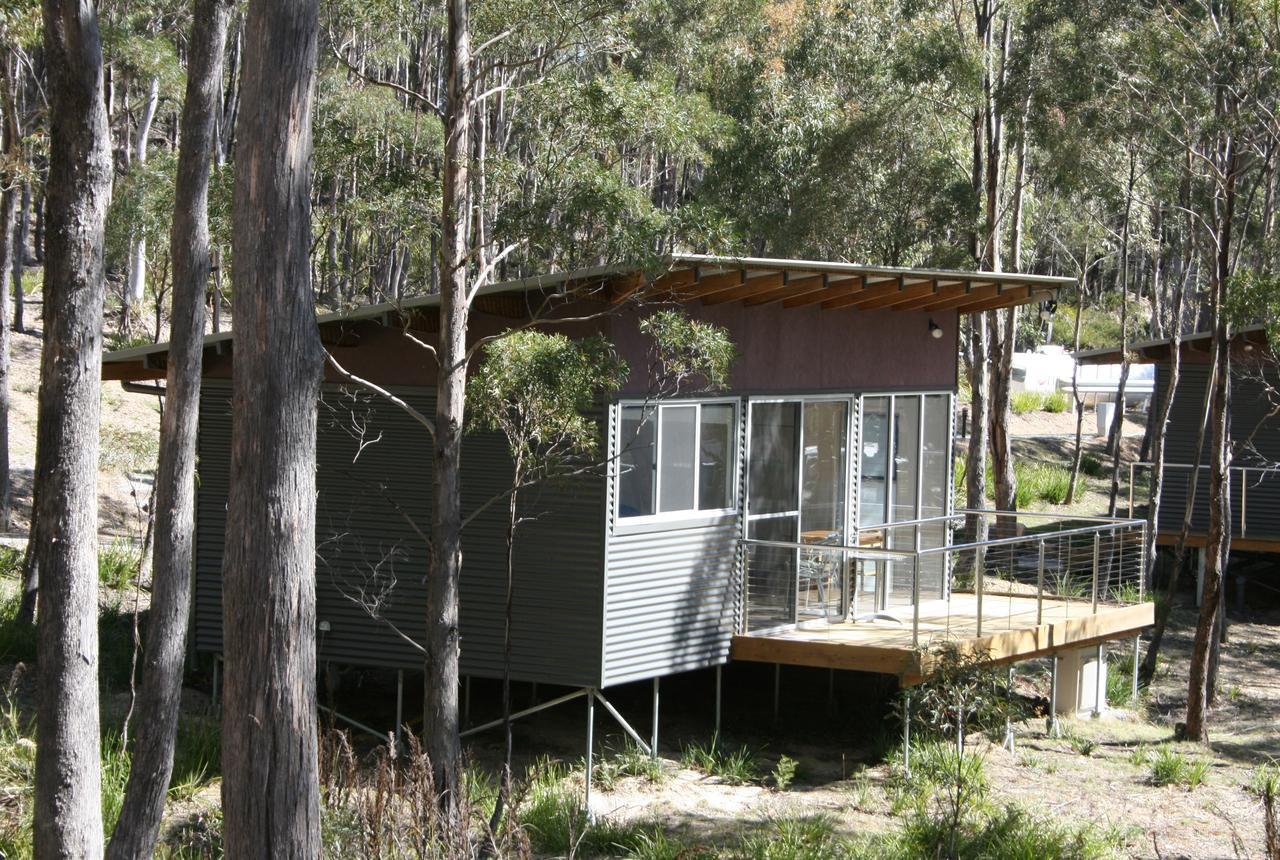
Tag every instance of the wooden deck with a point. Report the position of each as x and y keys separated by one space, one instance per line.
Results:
x=1010 y=633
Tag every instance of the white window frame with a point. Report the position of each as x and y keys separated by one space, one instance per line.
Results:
x=691 y=516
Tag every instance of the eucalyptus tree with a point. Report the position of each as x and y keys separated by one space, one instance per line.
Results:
x=173 y=500
x=541 y=164
x=68 y=819
x=270 y=791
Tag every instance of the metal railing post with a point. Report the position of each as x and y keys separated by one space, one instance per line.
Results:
x=978 y=577
x=1040 y=587
x=1131 y=466
x=915 y=594
x=1097 y=555
x=1244 y=500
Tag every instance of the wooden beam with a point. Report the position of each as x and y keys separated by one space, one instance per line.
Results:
x=753 y=287
x=845 y=288
x=623 y=287
x=985 y=291
x=876 y=291
x=905 y=294
x=947 y=292
x=794 y=287
x=709 y=285
x=1005 y=299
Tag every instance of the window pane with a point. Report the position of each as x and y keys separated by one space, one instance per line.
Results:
x=678 y=428
x=875 y=462
x=715 y=459
x=906 y=456
x=774 y=459
x=826 y=425
x=636 y=461
x=933 y=484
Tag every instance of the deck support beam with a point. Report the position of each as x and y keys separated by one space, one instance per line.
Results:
x=1055 y=730
x=906 y=731
x=591 y=737
x=1008 y=720
x=1137 y=648
x=653 y=737
x=399 y=705
x=719 y=670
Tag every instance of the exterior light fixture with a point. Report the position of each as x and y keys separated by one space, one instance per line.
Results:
x=935 y=330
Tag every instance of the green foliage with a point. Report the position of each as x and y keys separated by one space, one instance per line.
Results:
x=687 y=353
x=784 y=773
x=1043 y=482
x=610 y=768
x=536 y=388
x=733 y=767
x=1264 y=782
x=809 y=838
x=197 y=756
x=1057 y=402
x=965 y=691
x=1253 y=297
x=118 y=564
x=1011 y=833
x=1173 y=767
x=1026 y=402
x=1092 y=466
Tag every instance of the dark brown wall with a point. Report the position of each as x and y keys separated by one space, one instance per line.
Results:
x=809 y=349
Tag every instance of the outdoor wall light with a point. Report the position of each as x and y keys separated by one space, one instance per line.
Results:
x=935 y=330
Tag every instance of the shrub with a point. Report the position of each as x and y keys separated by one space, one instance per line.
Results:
x=1043 y=482
x=1171 y=767
x=1092 y=466
x=784 y=773
x=118 y=564
x=197 y=756
x=628 y=761
x=812 y=838
x=1057 y=402
x=1025 y=402
x=737 y=767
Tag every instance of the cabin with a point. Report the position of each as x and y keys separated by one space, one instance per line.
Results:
x=803 y=515
x=1255 y=437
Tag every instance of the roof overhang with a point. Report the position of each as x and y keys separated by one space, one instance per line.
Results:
x=711 y=280
x=1246 y=343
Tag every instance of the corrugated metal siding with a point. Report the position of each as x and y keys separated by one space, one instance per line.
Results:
x=673 y=596
x=374 y=476
x=1256 y=496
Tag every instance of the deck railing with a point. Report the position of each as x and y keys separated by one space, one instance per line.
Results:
x=962 y=576
x=1263 y=482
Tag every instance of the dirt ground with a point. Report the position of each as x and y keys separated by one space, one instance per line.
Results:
x=1108 y=785
x=129 y=441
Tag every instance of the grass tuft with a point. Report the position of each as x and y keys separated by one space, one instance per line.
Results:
x=733 y=767
x=1172 y=767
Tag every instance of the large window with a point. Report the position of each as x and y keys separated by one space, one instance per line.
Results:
x=676 y=458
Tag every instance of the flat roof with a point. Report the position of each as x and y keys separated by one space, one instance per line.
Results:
x=713 y=279
x=1157 y=351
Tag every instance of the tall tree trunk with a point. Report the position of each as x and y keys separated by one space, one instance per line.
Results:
x=68 y=812
x=270 y=790
x=10 y=144
x=1218 y=541
x=1003 y=327
x=1164 y=606
x=138 y=246
x=1115 y=433
x=1078 y=452
x=976 y=455
x=20 y=260
x=160 y=692
x=441 y=693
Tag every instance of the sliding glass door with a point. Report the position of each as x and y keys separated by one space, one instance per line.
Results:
x=904 y=473
x=798 y=463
